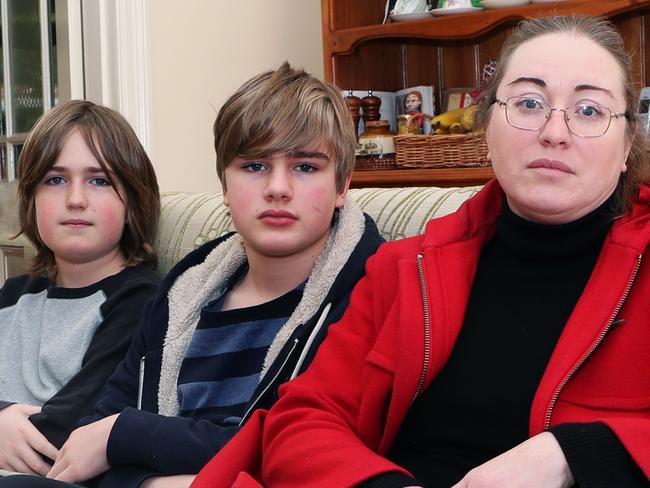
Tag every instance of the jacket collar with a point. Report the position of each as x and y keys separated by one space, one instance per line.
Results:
x=472 y=218
x=344 y=237
x=479 y=213
x=633 y=229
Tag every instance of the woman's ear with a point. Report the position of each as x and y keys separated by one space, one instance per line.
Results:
x=488 y=156
x=628 y=149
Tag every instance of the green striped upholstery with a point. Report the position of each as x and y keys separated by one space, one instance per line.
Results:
x=190 y=219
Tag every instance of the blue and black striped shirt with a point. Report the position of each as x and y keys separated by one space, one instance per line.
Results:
x=224 y=359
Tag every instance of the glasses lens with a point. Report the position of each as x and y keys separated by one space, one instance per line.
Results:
x=588 y=120
x=526 y=113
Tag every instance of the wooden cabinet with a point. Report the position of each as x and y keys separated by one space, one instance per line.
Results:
x=362 y=53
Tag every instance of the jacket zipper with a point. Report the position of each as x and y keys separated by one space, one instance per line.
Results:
x=599 y=340
x=310 y=340
x=427 y=327
x=268 y=385
x=140 y=383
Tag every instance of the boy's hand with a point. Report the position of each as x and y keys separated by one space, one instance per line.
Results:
x=21 y=444
x=177 y=481
x=536 y=463
x=83 y=456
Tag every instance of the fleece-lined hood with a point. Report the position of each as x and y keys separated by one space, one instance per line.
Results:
x=204 y=282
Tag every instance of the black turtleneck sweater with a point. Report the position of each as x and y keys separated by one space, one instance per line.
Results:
x=528 y=280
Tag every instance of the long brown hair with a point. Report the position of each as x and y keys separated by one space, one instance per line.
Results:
x=116 y=147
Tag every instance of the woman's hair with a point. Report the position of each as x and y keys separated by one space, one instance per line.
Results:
x=282 y=111
x=113 y=143
x=605 y=34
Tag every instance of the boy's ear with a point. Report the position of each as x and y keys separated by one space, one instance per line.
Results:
x=226 y=202
x=340 y=199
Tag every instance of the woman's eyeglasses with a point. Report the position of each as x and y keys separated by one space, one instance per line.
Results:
x=585 y=120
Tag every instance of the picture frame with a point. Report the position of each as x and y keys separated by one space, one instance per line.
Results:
x=455 y=98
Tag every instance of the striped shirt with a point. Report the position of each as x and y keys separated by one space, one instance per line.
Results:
x=224 y=359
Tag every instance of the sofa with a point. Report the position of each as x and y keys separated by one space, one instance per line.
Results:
x=191 y=219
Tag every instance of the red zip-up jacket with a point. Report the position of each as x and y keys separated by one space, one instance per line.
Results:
x=334 y=424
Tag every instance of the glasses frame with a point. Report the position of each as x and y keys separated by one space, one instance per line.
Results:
x=612 y=115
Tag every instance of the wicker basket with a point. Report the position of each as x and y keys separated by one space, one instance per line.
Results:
x=373 y=162
x=452 y=151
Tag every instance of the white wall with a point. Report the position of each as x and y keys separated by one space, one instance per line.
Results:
x=203 y=50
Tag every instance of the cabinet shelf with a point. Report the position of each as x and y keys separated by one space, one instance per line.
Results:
x=473 y=25
x=445 y=177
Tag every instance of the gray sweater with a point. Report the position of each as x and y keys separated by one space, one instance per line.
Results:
x=59 y=345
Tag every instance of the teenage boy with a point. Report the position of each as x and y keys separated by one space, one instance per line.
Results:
x=244 y=313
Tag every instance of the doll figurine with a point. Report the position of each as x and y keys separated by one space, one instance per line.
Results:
x=413 y=106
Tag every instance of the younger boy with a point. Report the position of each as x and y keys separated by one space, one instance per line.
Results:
x=246 y=312
x=89 y=204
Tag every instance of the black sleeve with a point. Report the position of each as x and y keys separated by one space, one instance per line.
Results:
x=16 y=287
x=596 y=456
x=169 y=445
x=4 y=404
x=390 y=480
x=121 y=389
x=61 y=413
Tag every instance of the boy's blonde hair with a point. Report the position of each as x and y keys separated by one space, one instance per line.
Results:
x=283 y=111
x=114 y=144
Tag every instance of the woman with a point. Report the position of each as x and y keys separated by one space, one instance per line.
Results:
x=509 y=345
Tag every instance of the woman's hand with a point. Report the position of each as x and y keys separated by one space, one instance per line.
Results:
x=83 y=456
x=536 y=463
x=178 y=481
x=21 y=444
